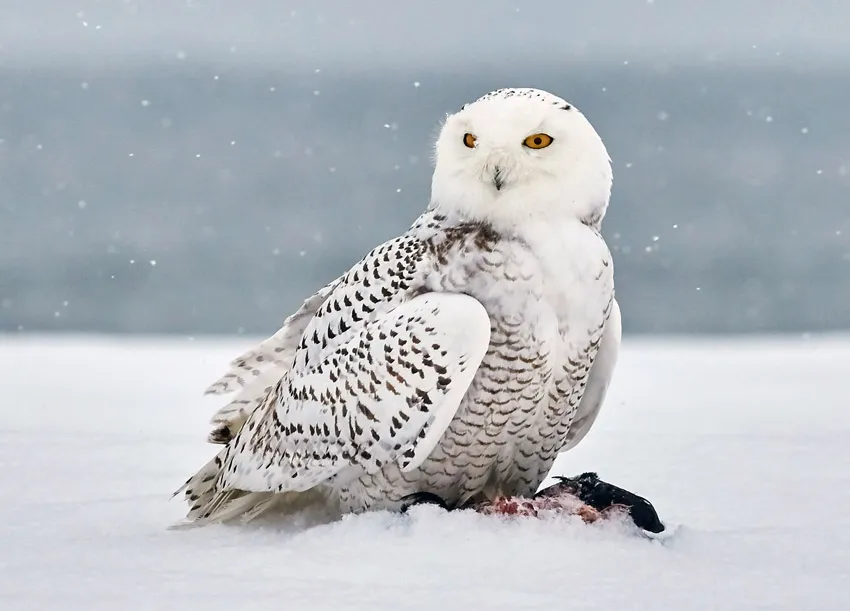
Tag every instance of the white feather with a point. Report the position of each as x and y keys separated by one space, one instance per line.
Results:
x=599 y=380
x=276 y=352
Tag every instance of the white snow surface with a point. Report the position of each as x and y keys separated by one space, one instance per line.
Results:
x=744 y=444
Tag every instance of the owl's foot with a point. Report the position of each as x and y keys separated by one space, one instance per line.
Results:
x=423 y=498
x=604 y=497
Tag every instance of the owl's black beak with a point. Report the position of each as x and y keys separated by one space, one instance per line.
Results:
x=497 y=179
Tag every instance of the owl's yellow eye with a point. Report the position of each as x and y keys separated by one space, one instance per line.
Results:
x=538 y=141
x=469 y=140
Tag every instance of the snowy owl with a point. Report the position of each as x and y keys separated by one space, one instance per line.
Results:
x=452 y=363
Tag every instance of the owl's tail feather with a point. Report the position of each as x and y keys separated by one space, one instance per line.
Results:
x=209 y=505
x=200 y=490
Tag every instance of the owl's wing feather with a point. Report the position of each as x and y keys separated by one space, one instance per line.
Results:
x=378 y=373
x=598 y=380
x=275 y=352
x=387 y=393
x=254 y=373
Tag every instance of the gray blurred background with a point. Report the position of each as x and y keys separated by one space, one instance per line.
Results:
x=201 y=166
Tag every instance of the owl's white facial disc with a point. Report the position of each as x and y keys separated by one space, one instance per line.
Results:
x=490 y=165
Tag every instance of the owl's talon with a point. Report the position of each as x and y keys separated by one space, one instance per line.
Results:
x=423 y=498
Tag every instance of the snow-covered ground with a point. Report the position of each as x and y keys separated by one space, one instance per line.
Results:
x=745 y=444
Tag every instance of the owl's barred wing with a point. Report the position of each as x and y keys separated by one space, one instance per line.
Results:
x=387 y=393
x=254 y=373
x=278 y=351
x=598 y=380
x=385 y=277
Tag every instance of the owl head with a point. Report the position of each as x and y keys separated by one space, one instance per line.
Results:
x=519 y=155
